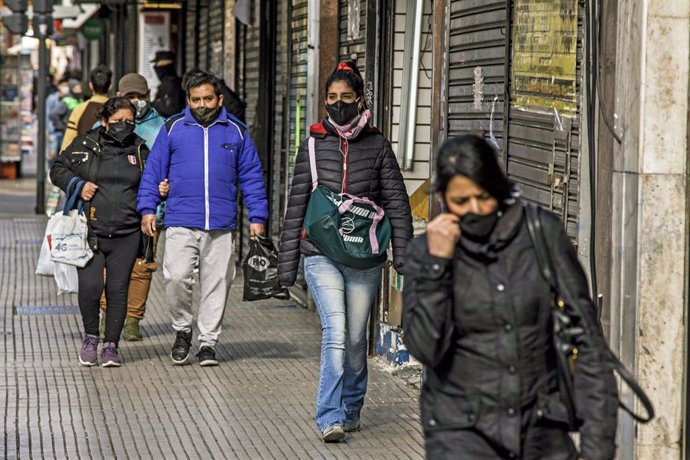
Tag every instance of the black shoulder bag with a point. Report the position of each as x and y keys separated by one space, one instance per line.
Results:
x=565 y=334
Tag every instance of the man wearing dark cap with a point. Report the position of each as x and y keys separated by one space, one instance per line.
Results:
x=169 y=96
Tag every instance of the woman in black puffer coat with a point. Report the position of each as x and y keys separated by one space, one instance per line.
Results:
x=477 y=313
x=110 y=160
x=355 y=158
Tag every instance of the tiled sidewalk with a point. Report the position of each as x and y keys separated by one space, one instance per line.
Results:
x=258 y=403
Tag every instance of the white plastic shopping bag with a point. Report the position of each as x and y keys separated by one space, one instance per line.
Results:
x=66 y=279
x=45 y=265
x=67 y=231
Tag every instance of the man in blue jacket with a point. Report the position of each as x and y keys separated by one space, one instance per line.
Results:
x=207 y=156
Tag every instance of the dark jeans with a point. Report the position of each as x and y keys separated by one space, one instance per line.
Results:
x=117 y=256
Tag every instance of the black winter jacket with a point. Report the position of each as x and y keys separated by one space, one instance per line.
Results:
x=372 y=172
x=170 y=97
x=481 y=323
x=116 y=170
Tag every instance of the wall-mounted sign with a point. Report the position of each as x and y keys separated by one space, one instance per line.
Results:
x=93 y=29
x=154 y=33
x=544 y=73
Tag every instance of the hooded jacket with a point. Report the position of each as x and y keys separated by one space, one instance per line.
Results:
x=206 y=167
x=481 y=323
x=116 y=169
x=372 y=171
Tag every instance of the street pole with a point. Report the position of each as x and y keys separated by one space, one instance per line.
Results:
x=41 y=111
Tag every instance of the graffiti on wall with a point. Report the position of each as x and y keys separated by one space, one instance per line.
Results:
x=544 y=72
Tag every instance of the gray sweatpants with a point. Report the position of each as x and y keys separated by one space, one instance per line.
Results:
x=216 y=253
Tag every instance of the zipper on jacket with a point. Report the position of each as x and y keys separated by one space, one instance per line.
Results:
x=112 y=217
x=206 y=198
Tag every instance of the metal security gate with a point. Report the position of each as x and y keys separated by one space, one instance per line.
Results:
x=216 y=25
x=298 y=124
x=544 y=129
x=352 y=35
x=476 y=76
x=248 y=49
x=539 y=145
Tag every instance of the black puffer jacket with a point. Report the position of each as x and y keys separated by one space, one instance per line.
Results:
x=373 y=172
x=116 y=170
x=481 y=323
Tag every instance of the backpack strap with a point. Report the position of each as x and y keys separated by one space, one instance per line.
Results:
x=312 y=163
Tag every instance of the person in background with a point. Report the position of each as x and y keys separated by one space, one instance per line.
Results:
x=134 y=88
x=110 y=159
x=57 y=110
x=170 y=96
x=351 y=157
x=83 y=116
x=208 y=156
x=54 y=136
x=478 y=314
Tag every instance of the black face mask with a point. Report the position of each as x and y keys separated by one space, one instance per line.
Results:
x=205 y=115
x=477 y=227
x=341 y=112
x=120 y=130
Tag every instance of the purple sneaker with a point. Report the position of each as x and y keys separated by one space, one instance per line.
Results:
x=88 y=355
x=109 y=356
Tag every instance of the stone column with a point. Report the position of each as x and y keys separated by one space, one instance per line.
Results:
x=650 y=205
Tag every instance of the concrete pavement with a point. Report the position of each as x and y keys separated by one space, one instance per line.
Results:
x=258 y=403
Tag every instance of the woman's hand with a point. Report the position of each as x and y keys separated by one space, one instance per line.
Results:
x=88 y=191
x=164 y=188
x=442 y=234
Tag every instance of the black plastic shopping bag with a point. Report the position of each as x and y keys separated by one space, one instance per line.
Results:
x=261 y=271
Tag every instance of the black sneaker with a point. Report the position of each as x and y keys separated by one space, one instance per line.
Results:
x=180 y=349
x=207 y=356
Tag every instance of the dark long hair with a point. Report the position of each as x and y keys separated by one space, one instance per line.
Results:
x=474 y=158
x=112 y=105
x=347 y=71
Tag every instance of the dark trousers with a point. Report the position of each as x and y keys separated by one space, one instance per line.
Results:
x=117 y=256
x=542 y=440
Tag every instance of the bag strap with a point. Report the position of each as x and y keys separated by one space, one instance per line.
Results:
x=72 y=191
x=379 y=214
x=536 y=231
x=312 y=163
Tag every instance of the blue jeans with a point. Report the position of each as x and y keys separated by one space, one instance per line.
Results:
x=344 y=297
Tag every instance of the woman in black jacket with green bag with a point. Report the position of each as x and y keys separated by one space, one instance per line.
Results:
x=478 y=314
x=110 y=159
x=350 y=157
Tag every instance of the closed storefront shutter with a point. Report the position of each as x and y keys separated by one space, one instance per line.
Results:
x=477 y=62
x=298 y=123
x=215 y=30
x=352 y=31
x=539 y=142
x=203 y=34
x=281 y=116
x=191 y=44
x=544 y=128
x=248 y=89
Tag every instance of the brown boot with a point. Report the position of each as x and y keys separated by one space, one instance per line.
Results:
x=131 y=331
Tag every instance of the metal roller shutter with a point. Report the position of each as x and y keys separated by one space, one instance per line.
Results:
x=476 y=68
x=249 y=46
x=298 y=81
x=190 y=41
x=215 y=30
x=203 y=34
x=280 y=141
x=544 y=145
x=353 y=47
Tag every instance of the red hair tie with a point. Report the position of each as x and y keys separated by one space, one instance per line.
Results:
x=344 y=66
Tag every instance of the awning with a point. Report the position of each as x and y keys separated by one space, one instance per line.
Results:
x=86 y=11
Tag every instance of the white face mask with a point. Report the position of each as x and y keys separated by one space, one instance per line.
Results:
x=141 y=106
x=64 y=90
